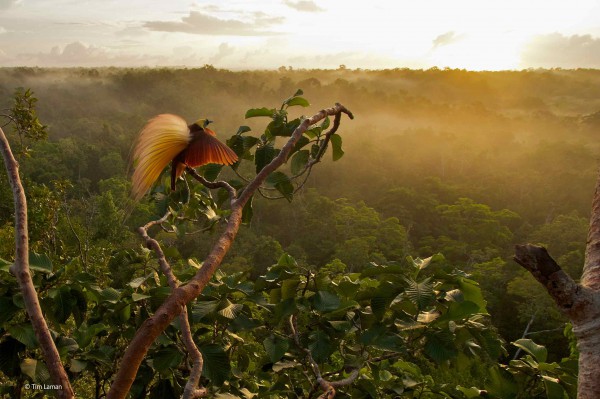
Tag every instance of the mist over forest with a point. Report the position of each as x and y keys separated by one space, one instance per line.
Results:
x=466 y=164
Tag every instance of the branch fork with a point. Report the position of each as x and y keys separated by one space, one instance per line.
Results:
x=174 y=305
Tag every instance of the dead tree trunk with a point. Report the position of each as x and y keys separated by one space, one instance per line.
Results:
x=579 y=302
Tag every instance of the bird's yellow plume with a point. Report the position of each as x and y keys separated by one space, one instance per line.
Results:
x=161 y=140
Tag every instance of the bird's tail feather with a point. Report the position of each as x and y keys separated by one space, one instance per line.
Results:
x=161 y=140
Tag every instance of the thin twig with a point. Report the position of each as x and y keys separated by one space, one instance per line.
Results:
x=212 y=184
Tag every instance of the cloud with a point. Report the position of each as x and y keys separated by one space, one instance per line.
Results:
x=303 y=5
x=445 y=39
x=2 y=30
x=225 y=50
x=557 y=50
x=80 y=54
x=6 y=4
x=204 y=24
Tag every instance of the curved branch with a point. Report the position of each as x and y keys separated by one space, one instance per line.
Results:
x=567 y=294
x=173 y=305
x=211 y=184
x=191 y=390
x=21 y=271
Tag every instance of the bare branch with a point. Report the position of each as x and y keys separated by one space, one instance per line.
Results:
x=173 y=305
x=567 y=294
x=21 y=271
x=211 y=184
x=191 y=390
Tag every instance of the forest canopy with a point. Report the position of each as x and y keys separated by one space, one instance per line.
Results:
x=466 y=164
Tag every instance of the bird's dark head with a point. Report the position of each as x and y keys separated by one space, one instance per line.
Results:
x=201 y=126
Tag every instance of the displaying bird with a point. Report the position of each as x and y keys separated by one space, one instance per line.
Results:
x=167 y=138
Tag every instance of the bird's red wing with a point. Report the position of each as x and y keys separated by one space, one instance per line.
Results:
x=208 y=149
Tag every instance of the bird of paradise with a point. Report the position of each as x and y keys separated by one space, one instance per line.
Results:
x=167 y=138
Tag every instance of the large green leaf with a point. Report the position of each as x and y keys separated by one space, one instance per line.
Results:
x=276 y=346
x=24 y=333
x=420 y=293
x=77 y=366
x=379 y=305
x=217 y=366
x=472 y=292
x=5 y=265
x=459 y=311
x=320 y=346
x=166 y=358
x=280 y=128
x=40 y=262
x=325 y=301
x=347 y=287
x=553 y=388
x=264 y=155
x=211 y=171
x=65 y=345
x=63 y=303
x=85 y=334
x=301 y=101
x=379 y=337
x=111 y=295
x=284 y=309
x=440 y=346
x=288 y=288
x=254 y=112
x=282 y=183
x=299 y=161
x=201 y=309
x=539 y=352
x=336 y=146
x=229 y=310
x=501 y=383
x=287 y=260
x=36 y=370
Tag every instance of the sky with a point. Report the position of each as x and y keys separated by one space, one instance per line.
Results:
x=237 y=34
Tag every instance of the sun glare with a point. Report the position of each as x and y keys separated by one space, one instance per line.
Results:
x=490 y=52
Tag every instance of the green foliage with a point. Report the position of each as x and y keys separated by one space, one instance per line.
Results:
x=435 y=169
x=26 y=124
x=531 y=376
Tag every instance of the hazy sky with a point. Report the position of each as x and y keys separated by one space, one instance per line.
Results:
x=236 y=34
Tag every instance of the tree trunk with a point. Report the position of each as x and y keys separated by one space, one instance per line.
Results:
x=579 y=302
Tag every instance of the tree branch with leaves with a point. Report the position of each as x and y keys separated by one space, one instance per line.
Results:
x=28 y=126
x=267 y=164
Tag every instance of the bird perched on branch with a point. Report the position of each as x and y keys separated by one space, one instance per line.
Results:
x=167 y=138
